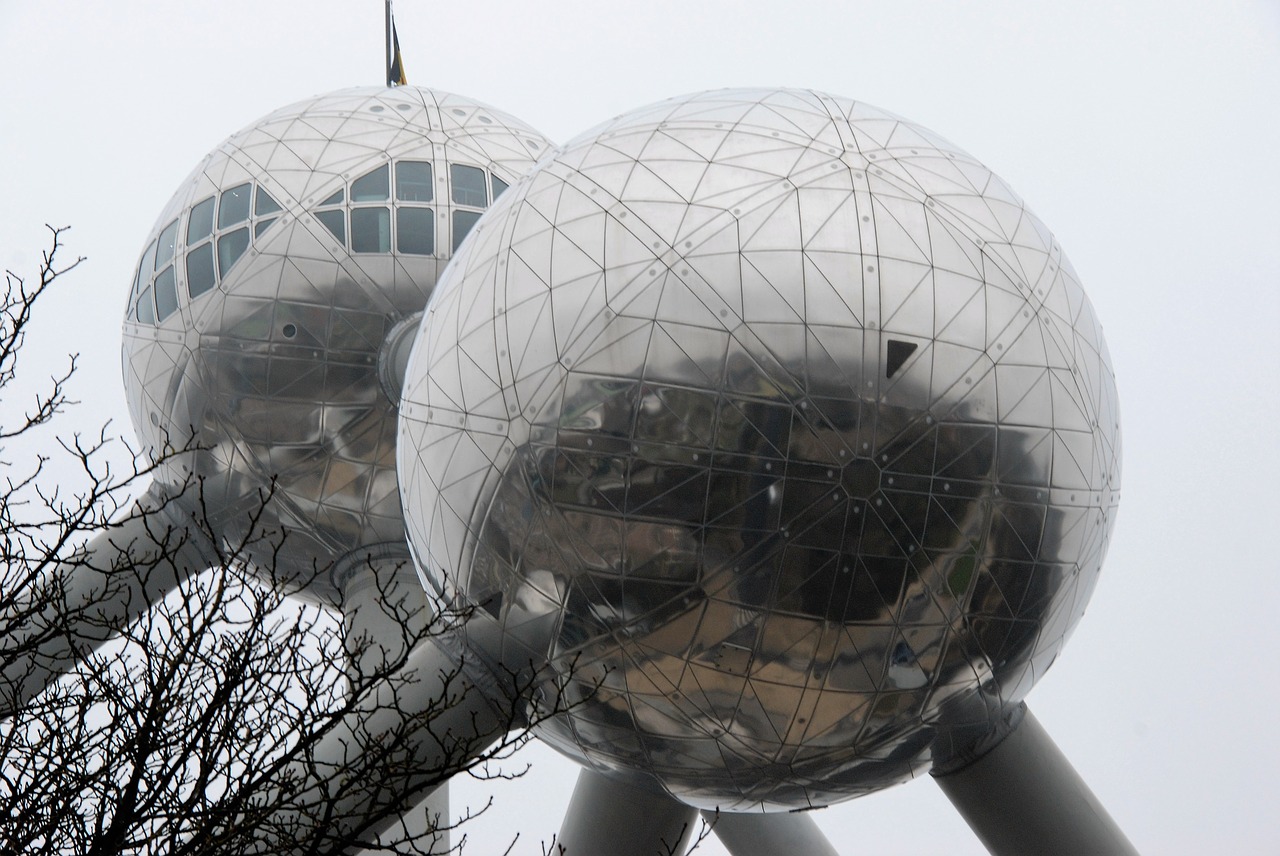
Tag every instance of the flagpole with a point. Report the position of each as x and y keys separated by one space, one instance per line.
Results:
x=386 y=66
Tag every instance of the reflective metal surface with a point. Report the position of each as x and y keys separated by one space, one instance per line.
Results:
x=781 y=427
x=267 y=289
x=1023 y=796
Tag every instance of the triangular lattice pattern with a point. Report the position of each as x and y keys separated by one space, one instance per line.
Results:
x=271 y=356
x=791 y=420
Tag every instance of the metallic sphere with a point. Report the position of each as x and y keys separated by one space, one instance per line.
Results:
x=265 y=316
x=781 y=428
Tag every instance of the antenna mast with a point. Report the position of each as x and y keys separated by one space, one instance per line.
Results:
x=386 y=66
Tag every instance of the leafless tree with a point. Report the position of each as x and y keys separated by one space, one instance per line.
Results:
x=218 y=717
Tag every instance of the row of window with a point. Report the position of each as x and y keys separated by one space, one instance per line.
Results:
x=221 y=228
x=366 y=219
x=214 y=244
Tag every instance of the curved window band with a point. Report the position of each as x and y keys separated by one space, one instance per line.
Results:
x=370 y=227
x=211 y=252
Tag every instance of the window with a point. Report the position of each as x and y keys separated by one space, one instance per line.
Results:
x=145 y=268
x=141 y=282
x=201 y=275
x=370 y=230
x=335 y=222
x=416 y=231
x=359 y=217
x=371 y=187
x=166 y=294
x=146 y=309
x=210 y=250
x=200 y=223
x=413 y=181
x=230 y=247
x=371 y=226
x=263 y=203
x=499 y=187
x=165 y=244
x=462 y=223
x=233 y=206
x=468 y=185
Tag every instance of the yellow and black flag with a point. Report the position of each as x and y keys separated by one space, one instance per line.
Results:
x=395 y=67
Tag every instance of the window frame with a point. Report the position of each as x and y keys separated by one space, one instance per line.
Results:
x=163 y=276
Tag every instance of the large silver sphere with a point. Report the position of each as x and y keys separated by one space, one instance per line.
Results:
x=263 y=314
x=781 y=427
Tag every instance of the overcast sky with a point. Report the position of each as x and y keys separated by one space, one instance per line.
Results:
x=1145 y=134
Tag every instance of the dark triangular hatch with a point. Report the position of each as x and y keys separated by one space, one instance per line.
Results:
x=898 y=353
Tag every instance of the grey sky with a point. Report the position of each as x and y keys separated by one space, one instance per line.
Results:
x=1144 y=134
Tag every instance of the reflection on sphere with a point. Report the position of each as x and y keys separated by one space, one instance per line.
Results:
x=263 y=303
x=781 y=427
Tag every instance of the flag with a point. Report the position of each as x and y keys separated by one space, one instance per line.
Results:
x=395 y=74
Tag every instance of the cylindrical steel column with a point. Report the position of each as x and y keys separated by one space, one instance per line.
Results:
x=760 y=834
x=1023 y=798
x=386 y=612
x=80 y=603
x=609 y=818
x=410 y=732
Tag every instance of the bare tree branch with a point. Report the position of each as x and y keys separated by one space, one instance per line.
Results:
x=16 y=306
x=201 y=718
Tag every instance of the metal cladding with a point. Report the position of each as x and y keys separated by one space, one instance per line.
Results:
x=781 y=428
x=266 y=294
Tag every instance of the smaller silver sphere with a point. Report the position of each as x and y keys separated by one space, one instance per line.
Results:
x=269 y=294
x=781 y=427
